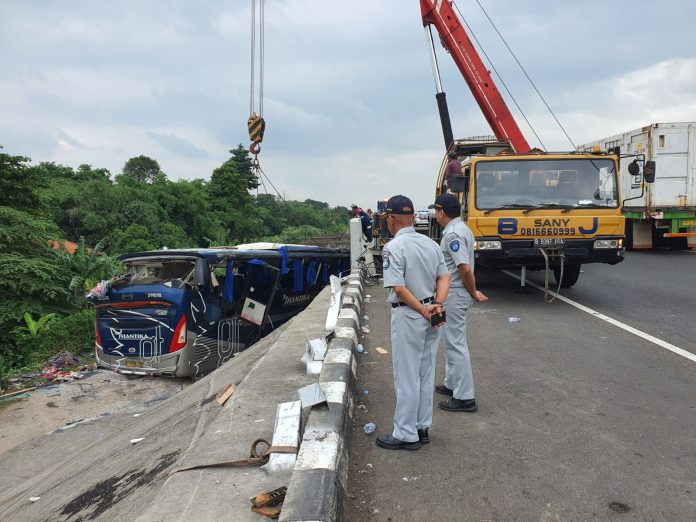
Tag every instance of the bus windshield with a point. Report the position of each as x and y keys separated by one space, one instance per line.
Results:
x=567 y=183
x=158 y=271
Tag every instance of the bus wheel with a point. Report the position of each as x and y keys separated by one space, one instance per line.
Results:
x=570 y=275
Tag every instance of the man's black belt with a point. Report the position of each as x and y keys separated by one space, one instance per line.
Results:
x=424 y=301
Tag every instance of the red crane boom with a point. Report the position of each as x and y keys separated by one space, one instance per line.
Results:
x=454 y=38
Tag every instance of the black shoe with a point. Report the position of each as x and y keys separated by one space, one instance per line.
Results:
x=443 y=390
x=423 y=436
x=453 y=404
x=389 y=442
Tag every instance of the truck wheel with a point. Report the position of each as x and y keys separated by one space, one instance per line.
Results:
x=570 y=275
x=629 y=235
x=678 y=243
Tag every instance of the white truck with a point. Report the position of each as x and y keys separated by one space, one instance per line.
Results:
x=662 y=213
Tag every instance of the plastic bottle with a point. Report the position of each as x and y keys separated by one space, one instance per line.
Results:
x=370 y=427
x=361 y=348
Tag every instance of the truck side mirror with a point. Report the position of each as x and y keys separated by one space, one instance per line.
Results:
x=649 y=172
x=633 y=168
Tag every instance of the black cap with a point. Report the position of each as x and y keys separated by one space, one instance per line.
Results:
x=446 y=201
x=451 y=154
x=400 y=205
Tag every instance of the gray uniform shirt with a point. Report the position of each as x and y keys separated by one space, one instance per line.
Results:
x=412 y=260
x=457 y=245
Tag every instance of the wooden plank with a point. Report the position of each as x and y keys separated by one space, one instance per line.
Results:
x=225 y=394
x=18 y=392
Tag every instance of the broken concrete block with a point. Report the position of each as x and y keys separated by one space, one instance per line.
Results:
x=285 y=433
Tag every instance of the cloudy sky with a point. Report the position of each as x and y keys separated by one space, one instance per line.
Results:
x=349 y=92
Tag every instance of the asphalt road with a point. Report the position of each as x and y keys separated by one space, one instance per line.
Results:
x=578 y=419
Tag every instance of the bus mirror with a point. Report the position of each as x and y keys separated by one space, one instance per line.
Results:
x=633 y=168
x=458 y=184
x=649 y=172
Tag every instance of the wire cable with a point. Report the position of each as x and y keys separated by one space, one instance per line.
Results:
x=272 y=185
x=527 y=75
x=499 y=76
x=253 y=55
x=261 y=55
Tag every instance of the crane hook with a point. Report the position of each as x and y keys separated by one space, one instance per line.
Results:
x=257 y=126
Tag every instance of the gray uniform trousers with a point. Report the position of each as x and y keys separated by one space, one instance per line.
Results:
x=414 y=348
x=458 y=376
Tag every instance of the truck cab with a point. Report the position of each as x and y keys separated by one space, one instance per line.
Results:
x=540 y=210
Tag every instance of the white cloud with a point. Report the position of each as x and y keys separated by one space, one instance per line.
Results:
x=349 y=92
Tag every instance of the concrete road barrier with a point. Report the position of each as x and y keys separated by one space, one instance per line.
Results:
x=318 y=484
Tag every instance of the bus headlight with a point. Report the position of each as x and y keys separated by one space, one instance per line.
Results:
x=606 y=244
x=488 y=245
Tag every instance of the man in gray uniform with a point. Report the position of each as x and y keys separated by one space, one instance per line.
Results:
x=458 y=248
x=415 y=272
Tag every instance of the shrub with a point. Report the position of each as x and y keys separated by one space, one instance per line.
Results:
x=74 y=333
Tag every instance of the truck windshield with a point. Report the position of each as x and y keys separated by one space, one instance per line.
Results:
x=570 y=183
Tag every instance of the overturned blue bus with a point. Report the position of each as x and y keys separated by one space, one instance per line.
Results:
x=186 y=312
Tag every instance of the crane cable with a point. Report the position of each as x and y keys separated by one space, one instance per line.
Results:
x=528 y=78
x=256 y=123
x=471 y=32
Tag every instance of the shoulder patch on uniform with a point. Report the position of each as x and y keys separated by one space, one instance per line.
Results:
x=385 y=260
x=454 y=245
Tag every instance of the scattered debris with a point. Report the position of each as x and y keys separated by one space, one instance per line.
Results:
x=311 y=395
x=370 y=427
x=269 y=504
x=381 y=350
x=313 y=357
x=365 y=330
x=268 y=511
x=34 y=499
x=286 y=433
x=135 y=441
x=225 y=394
x=63 y=360
x=365 y=392
x=366 y=318
x=54 y=373
x=271 y=498
x=514 y=319
x=17 y=393
x=360 y=348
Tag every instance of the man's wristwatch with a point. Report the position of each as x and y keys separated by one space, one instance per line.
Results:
x=435 y=302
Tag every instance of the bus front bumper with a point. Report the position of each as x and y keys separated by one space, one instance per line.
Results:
x=166 y=364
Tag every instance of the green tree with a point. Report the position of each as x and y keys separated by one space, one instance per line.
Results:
x=244 y=165
x=142 y=168
x=33 y=280
x=18 y=183
x=232 y=203
x=136 y=238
